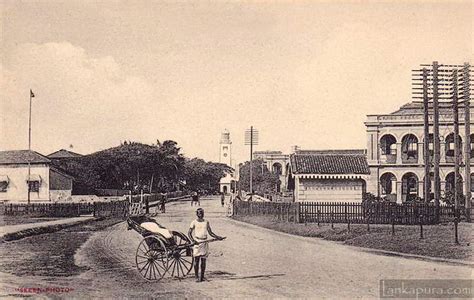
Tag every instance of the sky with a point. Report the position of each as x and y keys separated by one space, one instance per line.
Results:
x=303 y=73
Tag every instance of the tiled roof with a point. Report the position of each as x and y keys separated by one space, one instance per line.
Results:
x=64 y=154
x=22 y=157
x=330 y=152
x=416 y=108
x=329 y=164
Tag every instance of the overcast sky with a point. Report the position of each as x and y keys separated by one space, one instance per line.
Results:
x=303 y=73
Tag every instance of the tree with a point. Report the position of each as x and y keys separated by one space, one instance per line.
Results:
x=202 y=175
x=132 y=166
x=263 y=181
x=136 y=166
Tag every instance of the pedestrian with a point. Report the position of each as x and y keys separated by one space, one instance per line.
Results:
x=162 y=204
x=222 y=199
x=198 y=231
x=194 y=198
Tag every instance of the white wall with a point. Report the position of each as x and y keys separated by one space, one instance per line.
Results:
x=60 y=195
x=17 y=190
x=335 y=190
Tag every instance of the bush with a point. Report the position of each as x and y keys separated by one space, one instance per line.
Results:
x=448 y=198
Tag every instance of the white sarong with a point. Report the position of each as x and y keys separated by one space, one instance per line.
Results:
x=201 y=249
x=200 y=234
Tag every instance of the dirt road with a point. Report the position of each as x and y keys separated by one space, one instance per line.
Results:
x=252 y=262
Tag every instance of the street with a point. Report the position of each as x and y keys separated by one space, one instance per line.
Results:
x=252 y=262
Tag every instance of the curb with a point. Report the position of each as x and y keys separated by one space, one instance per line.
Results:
x=13 y=236
x=367 y=250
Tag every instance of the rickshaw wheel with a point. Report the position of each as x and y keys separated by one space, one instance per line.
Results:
x=151 y=258
x=180 y=256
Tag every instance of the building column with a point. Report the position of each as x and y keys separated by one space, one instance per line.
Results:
x=420 y=154
x=442 y=154
x=399 y=153
x=399 y=192
x=421 y=189
x=443 y=187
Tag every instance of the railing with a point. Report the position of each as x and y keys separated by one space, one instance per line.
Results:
x=97 y=209
x=342 y=212
x=157 y=201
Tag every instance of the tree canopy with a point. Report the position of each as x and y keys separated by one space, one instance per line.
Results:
x=135 y=166
x=263 y=181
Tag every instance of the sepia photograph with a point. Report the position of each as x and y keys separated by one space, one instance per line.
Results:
x=228 y=149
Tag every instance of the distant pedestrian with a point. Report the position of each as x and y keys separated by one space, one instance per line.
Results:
x=162 y=204
x=195 y=199
x=222 y=199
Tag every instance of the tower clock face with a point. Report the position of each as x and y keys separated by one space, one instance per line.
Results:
x=225 y=154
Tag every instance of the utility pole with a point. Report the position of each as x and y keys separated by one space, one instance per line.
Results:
x=426 y=147
x=29 y=149
x=436 y=141
x=456 y=138
x=251 y=161
x=466 y=95
x=251 y=138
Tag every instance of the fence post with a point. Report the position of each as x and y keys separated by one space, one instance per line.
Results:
x=393 y=224
x=421 y=226
x=348 y=225
x=297 y=212
x=456 y=221
x=345 y=211
x=319 y=214
x=332 y=220
x=368 y=222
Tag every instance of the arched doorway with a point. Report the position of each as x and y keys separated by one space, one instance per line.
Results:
x=450 y=179
x=388 y=186
x=409 y=149
x=409 y=187
x=224 y=189
x=277 y=168
x=388 y=147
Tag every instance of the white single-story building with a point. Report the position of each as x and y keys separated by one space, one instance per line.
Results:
x=329 y=175
x=45 y=182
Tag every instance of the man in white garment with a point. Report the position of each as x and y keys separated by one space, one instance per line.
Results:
x=198 y=231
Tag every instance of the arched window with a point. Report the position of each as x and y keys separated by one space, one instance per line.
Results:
x=409 y=148
x=388 y=145
x=449 y=186
x=449 y=146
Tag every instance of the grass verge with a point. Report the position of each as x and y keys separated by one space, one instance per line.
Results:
x=438 y=240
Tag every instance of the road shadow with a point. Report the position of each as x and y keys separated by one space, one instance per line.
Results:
x=222 y=275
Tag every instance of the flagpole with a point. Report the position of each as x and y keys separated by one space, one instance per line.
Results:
x=29 y=149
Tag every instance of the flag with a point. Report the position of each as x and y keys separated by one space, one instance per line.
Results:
x=31 y=94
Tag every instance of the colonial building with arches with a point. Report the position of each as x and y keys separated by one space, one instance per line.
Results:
x=395 y=151
x=278 y=163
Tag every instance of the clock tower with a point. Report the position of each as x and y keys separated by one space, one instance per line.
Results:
x=227 y=183
x=225 y=153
